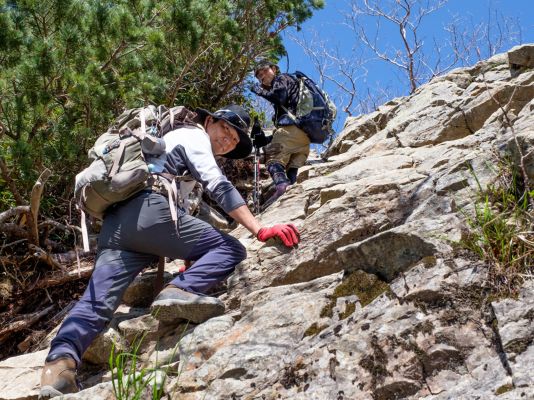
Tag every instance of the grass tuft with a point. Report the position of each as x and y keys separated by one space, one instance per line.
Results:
x=133 y=383
x=501 y=230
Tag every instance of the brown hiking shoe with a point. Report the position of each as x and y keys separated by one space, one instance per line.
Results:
x=174 y=304
x=58 y=378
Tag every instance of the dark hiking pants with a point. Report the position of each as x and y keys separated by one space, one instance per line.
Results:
x=133 y=235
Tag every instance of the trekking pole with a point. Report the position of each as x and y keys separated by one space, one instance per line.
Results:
x=258 y=141
x=256 y=191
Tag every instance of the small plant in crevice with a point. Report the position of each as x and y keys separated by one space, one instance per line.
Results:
x=501 y=230
x=130 y=382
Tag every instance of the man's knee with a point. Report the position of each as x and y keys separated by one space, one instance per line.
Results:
x=231 y=249
x=98 y=305
x=97 y=312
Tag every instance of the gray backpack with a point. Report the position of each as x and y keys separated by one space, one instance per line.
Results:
x=119 y=168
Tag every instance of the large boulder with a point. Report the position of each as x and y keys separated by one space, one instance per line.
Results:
x=381 y=299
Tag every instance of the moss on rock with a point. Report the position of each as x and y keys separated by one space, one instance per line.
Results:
x=349 y=310
x=366 y=286
x=503 y=389
x=314 y=329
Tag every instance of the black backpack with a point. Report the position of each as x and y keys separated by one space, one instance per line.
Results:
x=315 y=112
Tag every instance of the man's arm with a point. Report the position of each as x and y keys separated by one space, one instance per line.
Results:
x=287 y=233
x=278 y=93
x=244 y=217
x=201 y=163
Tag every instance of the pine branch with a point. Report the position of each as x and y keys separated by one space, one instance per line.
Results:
x=6 y=175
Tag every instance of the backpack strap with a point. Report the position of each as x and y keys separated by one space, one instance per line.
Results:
x=289 y=114
x=173 y=197
x=169 y=183
x=142 y=118
x=85 y=235
x=171 y=117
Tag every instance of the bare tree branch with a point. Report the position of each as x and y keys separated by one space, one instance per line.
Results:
x=12 y=212
x=44 y=256
x=407 y=16
x=58 y=225
x=343 y=72
x=14 y=230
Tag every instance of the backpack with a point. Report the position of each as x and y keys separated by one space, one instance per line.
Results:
x=119 y=169
x=315 y=111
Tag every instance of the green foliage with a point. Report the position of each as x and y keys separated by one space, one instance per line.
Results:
x=128 y=382
x=501 y=230
x=67 y=67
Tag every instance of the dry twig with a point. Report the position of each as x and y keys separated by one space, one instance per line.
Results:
x=35 y=203
x=60 y=278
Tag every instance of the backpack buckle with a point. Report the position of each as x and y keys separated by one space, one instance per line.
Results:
x=157 y=186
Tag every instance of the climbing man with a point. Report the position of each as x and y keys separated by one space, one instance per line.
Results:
x=136 y=232
x=290 y=146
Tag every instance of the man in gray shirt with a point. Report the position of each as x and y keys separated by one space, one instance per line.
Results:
x=136 y=232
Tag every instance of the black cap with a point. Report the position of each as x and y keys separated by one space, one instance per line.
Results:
x=238 y=118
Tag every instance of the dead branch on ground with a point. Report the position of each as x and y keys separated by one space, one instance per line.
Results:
x=60 y=278
x=25 y=322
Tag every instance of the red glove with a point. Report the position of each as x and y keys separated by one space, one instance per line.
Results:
x=187 y=264
x=288 y=233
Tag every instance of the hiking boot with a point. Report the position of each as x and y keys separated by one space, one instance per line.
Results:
x=58 y=377
x=174 y=304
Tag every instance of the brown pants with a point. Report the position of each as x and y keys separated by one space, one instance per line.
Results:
x=290 y=147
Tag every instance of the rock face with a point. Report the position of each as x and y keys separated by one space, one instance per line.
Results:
x=378 y=301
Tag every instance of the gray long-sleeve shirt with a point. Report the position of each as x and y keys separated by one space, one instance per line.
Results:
x=188 y=149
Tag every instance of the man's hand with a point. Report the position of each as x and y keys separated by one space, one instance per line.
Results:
x=256 y=128
x=288 y=233
x=258 y=136
x=256 y=89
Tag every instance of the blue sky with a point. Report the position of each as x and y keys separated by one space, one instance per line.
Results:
x=380 y=80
